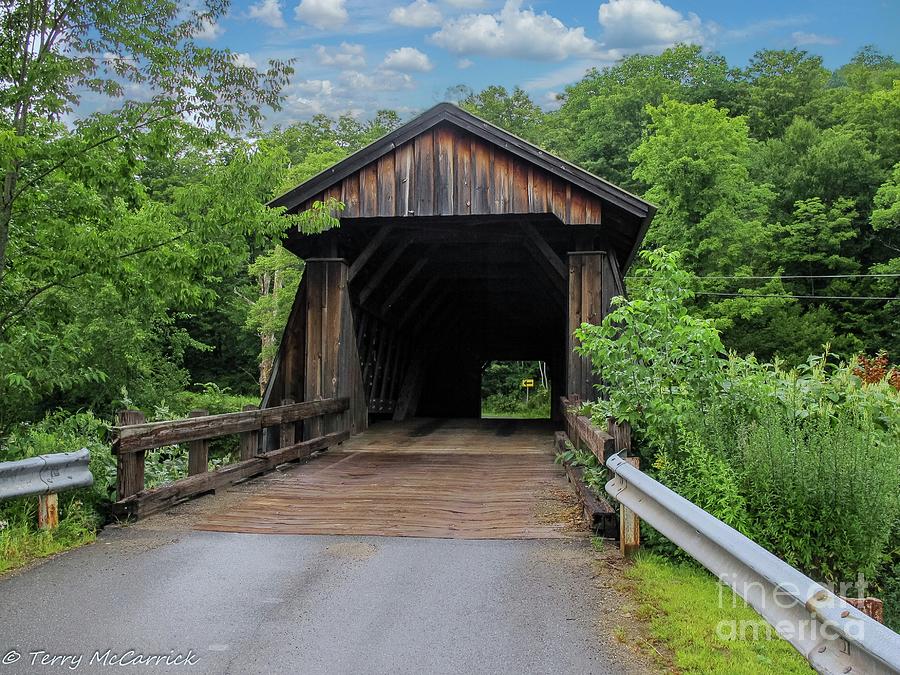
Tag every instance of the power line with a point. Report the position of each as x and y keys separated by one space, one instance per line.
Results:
x=804 y=276
x=799 y=297
x=784 y=276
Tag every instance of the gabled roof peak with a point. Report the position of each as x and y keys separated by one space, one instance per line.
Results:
x=452 y=114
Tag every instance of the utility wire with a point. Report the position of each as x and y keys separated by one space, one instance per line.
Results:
x=801 y=297
x=804 y=276
x=786 y=276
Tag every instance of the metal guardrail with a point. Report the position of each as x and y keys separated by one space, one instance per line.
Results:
x=45 y=474
x=833 y=636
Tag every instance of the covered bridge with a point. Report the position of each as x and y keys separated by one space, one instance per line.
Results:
x=459 y=243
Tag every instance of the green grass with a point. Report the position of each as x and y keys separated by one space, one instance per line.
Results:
x=21 y=542
x=684 y=607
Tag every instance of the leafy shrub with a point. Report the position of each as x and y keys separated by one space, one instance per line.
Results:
x=81 y=511
x=705 y=478
x=594 y=473
x=803 y=460
x=537 y=406
x=660 y=365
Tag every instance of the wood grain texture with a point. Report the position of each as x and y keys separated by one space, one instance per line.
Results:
x=466 y=479
x=129 y=465
x=148 y=502
x=447 y=171
x=137 y=437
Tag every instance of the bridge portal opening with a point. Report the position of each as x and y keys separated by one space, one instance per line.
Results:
x=515 y=390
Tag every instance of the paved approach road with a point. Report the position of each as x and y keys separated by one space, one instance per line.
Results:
x=244 y=603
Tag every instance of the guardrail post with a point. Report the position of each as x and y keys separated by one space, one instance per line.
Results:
x=129 y=465
x=629 y=523
x=48 y=511
x=249 y=440
x=198 y=451
x=286 y=431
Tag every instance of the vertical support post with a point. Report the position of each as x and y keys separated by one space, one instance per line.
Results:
x=249 y=440
x=286 y=430
x=332 y=366
x=629 y=524
x=48 y=511
x=585 y=306
x=129 y=465
x=198 y=451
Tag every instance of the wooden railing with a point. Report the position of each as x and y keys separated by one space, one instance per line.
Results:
x=133 y=437
x=583 y=434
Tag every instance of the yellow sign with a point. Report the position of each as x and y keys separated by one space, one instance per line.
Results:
x=528 y=384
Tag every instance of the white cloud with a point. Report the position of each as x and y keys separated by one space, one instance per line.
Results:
x=322 y=13
x=514 y=32
x=407 y=59
x=244 y=60
x=420 y=14
x=462 y=64
x=209 y=30
x=571 y=72
x=763 y=27
x=312 y=87
x=348 y=55
x=802 y=38
x=551 y=101
x=466 y=4
x=382 y=80
x=269 y=13
x=646 y=26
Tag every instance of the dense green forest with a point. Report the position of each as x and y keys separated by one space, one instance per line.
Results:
x=139 y=265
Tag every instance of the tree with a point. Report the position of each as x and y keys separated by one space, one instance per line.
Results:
x=812 y=242
x=870 y=69
x=278 y=274
x=695 y=158
x=515 y=111
x=602 y=117
x=49 y=49
x=780 y=83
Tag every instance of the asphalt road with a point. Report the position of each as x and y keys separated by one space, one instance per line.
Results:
x=243 y=603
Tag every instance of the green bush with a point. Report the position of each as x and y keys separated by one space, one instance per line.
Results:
x=515 y=405
x=167 y=464
x=81 y=512
x=804 y=460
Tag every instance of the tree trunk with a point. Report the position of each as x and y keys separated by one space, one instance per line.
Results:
x=268 y=285
x=6 y=204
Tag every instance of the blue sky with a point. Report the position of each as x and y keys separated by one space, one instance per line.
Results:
x=360 y=55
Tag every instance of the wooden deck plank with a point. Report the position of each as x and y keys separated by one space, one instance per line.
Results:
x=469 y=479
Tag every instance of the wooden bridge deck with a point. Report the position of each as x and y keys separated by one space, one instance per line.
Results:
x=466 y=479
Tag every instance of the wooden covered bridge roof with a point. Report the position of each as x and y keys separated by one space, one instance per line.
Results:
x=449 y=163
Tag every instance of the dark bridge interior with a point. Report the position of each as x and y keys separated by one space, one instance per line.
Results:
x=433 y=299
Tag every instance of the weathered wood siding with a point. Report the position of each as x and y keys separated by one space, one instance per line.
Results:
x=446 y=171
x=594 y=279
x=318 y=357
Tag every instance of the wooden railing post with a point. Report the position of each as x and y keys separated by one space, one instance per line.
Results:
x=286 y=431
x=621 y=433
x=198 y=451
x=129 y=465
x=249 y=440
x=629 y=523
